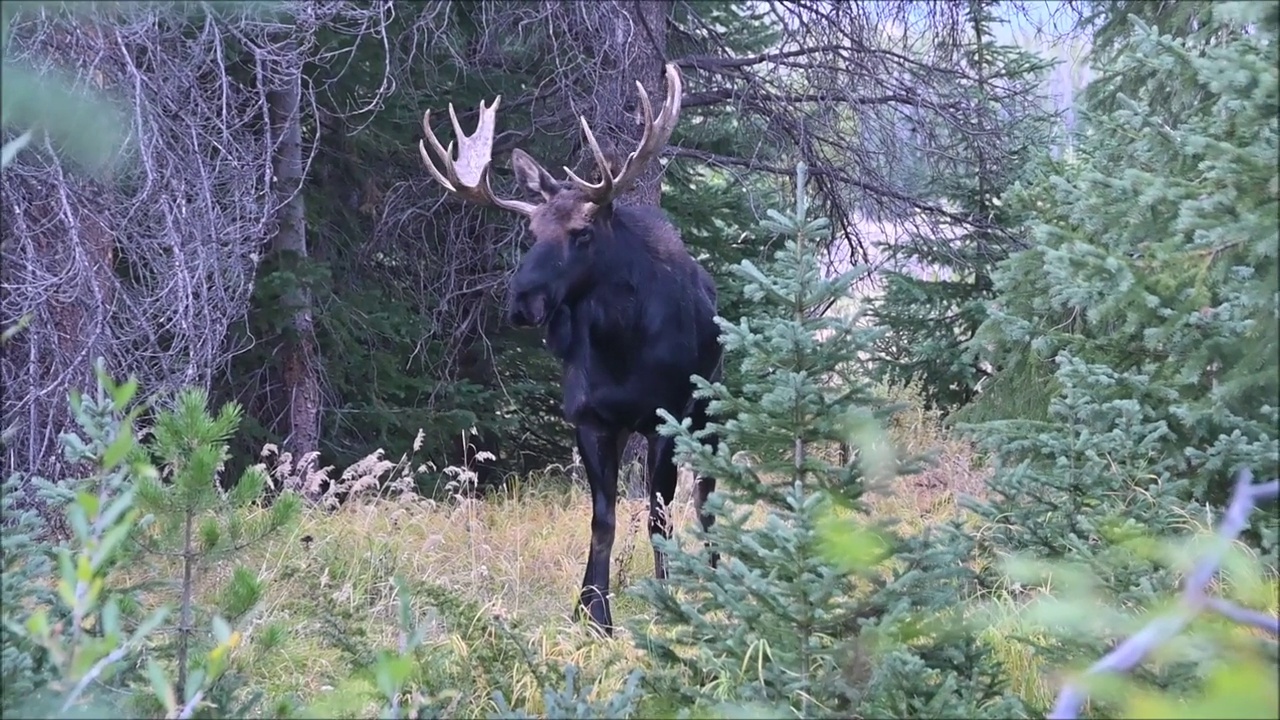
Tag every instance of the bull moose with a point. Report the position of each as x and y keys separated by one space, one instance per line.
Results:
x=625 y=308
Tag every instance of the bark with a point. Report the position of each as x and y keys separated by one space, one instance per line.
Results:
x=648 y=19
x=299 y=352
x=634 y=37
x=645 y=21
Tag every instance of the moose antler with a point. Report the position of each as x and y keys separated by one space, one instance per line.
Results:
x=468 y=176
x=656 y=134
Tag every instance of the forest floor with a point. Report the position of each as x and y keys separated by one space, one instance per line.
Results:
x=518 y=557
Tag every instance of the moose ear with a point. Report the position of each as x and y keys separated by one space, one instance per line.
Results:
x=531 y=175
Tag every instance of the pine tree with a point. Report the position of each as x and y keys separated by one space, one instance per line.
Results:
x=26 y=565
x=931 y=318
x=783 y=622
x=1150 y=290
x=198 y=524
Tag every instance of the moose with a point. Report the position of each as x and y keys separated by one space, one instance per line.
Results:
x=626 y=309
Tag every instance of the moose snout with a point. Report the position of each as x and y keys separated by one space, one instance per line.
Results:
x=528 y=310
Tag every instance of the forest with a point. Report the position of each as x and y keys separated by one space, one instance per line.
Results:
x=994 y=430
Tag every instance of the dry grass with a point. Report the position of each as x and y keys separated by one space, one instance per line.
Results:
x=519 y=558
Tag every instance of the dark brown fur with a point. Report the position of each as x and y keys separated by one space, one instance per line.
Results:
x=630 y=314
x=625 y=307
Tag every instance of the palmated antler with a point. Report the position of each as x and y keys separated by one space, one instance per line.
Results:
x=468 y=176
x=656 y=134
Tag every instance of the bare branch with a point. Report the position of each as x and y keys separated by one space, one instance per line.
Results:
x=1245 y=616
x=151 y=268
x=1195 y=599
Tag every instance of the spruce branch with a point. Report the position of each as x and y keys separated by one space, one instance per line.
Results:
x=1195 y=599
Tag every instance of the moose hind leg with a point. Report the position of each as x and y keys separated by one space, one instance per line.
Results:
x=662 y=489
x=706 y=483
x=706 y=486
x=600 y=450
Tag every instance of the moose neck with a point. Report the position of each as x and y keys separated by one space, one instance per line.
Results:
x=631 y=243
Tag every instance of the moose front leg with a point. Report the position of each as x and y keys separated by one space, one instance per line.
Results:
x=601 y=450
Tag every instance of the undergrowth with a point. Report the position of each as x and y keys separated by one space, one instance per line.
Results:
x=482 y=586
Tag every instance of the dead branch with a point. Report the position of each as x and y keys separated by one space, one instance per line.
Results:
x=1194 y=599
x=148 y=268
x=853 y=88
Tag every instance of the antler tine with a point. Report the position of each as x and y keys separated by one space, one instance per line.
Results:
x=655 y=136
x=468 y=177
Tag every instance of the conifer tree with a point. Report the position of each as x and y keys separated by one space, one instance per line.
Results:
x=197 y=523
x=782 y=623
x=1150 y=290
x=930 y=317
x=26 y=565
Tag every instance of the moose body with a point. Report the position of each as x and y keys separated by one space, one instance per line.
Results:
x=625 y=307
x=630 y=343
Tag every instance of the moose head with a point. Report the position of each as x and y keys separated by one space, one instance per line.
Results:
x=573 y=215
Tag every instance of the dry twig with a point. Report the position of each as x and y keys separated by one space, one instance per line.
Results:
x=1193 y=601
x=150 y=268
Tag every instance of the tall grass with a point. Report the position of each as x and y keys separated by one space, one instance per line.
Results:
x=517 y=558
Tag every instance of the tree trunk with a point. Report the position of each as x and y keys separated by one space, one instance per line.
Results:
x=298 y=352
x=635 y=42
x=649 y=22
x=639 y=37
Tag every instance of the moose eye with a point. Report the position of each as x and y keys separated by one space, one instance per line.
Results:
x=580 y=236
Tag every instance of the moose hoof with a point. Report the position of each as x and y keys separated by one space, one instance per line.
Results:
x=598 y=612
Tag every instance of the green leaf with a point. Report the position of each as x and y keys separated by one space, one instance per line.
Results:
x=118 y=450
x=88 y=502
x=194 y=683
x=143 y=470
x=90 y=651
x=111 y=540
x=118 y=507
x=111 y=617
x=160 y=685
x=79 y=521
x=16 y=328
x=67 y=578
x=221 y=630
x=10 y=151
x=849 y=546
x=87 y=126
x=146 y=627
x=123 y=394
x=876 y=455
x=104 y=378
x=391 y=671
x=84 y=569
x=38 y=624
x=1240 y=689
